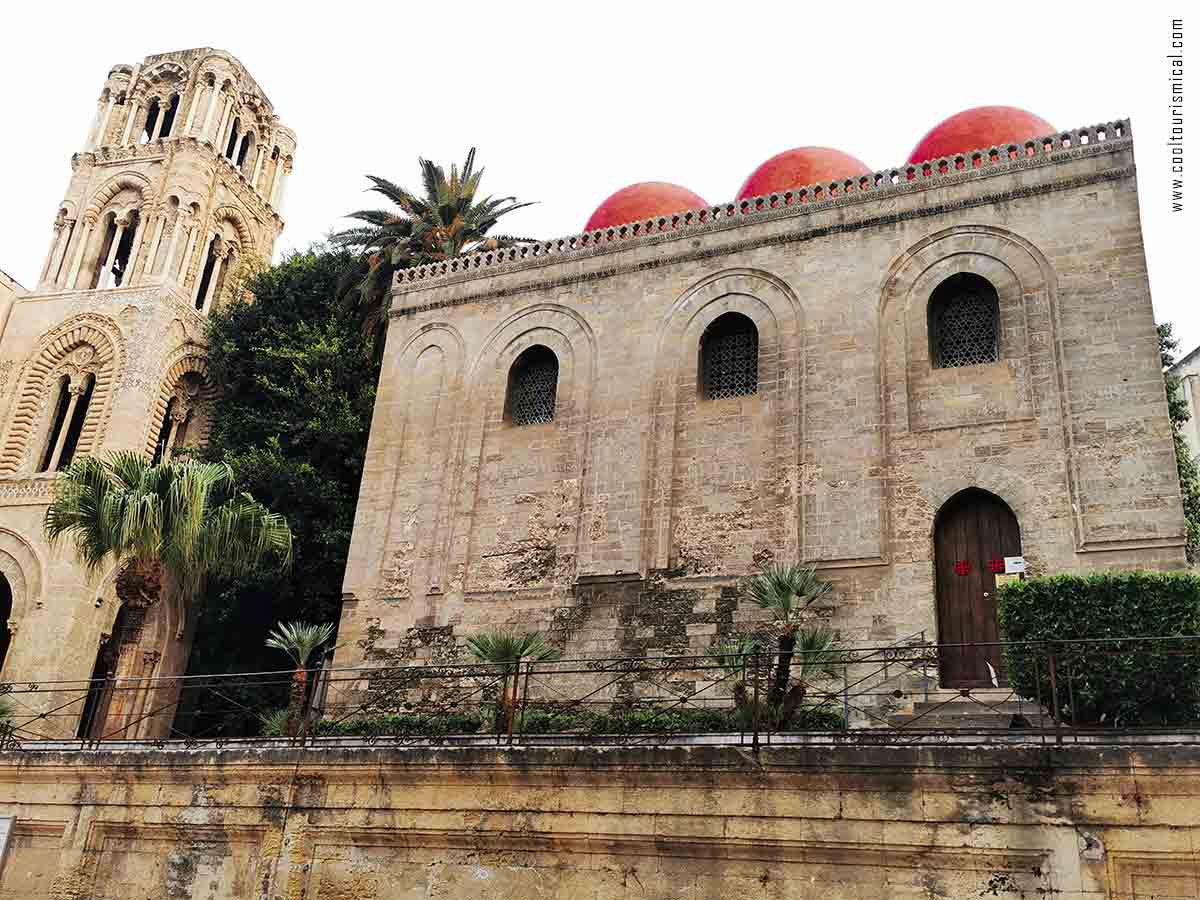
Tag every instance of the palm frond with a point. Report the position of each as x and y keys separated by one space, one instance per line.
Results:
x=182 y=514
x=299 y=639
x=508 y=650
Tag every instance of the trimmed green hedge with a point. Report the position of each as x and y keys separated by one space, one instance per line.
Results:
x=554 y=720
x=1107 y=682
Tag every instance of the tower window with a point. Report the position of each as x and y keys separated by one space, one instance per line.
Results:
x=152 y=114
x=169 y=116
x=964 y=322
x=729 y=357
x=66 y=426
x=233 y=139
x=532 y=387
x=247 y=144
x=206 y=275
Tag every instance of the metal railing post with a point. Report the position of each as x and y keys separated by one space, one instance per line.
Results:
x=1058 y=739
x=845 y=693
x=754 y=745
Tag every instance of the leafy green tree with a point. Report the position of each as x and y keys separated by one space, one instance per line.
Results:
x=299 y=640
x=1189 y=471
x=442 y=220
x=296 y=388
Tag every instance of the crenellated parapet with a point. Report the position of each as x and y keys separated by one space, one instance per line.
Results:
x=803 y=200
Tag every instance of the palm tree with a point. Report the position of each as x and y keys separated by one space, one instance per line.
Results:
x=815 y=646
x=183 y=518
x=443 y=220
x=168 y=526
x=786 y=591
x=298 y=640
x=506 y=652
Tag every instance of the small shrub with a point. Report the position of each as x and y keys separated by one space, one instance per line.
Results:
x=1111 y=683
x=274 y=723
x=401 y=725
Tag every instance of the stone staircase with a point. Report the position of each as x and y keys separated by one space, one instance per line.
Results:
x=981 y=709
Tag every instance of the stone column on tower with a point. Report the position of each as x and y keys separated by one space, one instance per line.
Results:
x=89 y=223
x=172 y=245
x=219 y=256
x=60 y=229
x=147 y=266
x=206 y=131
x=134 y=107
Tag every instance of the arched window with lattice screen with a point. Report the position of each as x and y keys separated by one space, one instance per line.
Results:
x=729 y=358
x=532 y=387
x=964 y=322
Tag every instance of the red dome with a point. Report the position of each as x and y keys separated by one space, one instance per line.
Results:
x=799 y=167
x=641 y=201
x=977 y=129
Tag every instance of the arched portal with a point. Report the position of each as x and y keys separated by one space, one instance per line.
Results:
x=974 y=532
x=6 y=610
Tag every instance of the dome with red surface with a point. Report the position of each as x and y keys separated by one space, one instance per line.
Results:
x=799 y=167
x=642 y=201
x=978 y=129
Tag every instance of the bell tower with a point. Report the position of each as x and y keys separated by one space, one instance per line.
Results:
x=175 y=193
x=180 y=178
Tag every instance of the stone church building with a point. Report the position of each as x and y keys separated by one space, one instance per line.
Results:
x=176 y=186
x=912 y=378
x=905 y=378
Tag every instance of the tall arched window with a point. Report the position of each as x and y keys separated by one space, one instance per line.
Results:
x=152 y=114
x=247 y=146
x=729 y=357
x=206 y=274
x=179 y=417
x=532 y=387
x=169 y=117
x=233 y=139
x=6 y=599
x=116 y=250
x=68 y=415
x=964 y=322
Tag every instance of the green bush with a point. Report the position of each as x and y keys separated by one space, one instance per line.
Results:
x=559 y=720
x=1107 y=682
x=401 y=725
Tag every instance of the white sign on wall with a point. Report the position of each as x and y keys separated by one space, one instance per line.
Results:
x=1014 y=565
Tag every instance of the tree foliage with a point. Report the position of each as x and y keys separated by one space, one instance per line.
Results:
x=441 y=220
x=1189 y=471
x=296 y=388
x=185 y=517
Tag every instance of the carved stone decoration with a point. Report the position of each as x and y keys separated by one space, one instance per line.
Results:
x=87 y=343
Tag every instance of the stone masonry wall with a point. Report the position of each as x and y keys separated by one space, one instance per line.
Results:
x=699 y=823
x=843 y=457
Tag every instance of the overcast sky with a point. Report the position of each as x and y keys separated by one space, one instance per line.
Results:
x=570 y=101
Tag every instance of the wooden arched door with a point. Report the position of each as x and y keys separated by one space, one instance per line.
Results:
x=974 y=530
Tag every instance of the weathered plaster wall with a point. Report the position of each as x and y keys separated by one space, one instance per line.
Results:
x=852 y=444
x=589 y=824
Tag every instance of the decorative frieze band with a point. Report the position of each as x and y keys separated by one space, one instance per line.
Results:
x=918 y=176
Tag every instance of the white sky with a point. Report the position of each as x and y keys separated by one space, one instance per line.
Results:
x=570 y=101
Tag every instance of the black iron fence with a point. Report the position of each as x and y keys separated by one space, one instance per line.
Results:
x=1112 y=690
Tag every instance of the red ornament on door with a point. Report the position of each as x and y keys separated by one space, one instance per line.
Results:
x=996 y=566
x=962 y=567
